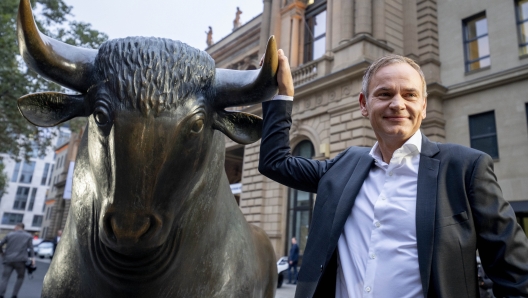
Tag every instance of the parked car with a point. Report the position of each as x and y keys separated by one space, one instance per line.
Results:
x=44 y=250
x=36 y=242
x=282 y=267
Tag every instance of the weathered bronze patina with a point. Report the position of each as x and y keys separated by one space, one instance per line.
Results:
x=152 y=214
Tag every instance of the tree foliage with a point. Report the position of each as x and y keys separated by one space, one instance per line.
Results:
x=18 y=137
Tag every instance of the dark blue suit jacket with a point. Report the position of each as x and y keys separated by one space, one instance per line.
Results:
x=459 y=209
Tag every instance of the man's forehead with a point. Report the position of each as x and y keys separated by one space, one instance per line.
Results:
x=389 y=76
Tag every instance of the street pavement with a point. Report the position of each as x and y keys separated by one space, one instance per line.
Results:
x=286 y=291
x=32 y=287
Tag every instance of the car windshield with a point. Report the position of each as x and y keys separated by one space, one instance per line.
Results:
x=46 y=245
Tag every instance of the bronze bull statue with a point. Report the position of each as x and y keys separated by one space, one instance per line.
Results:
x=152 y=214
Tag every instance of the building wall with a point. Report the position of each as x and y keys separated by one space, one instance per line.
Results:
x=326 y=110
x=57 y=203
x=8 y=199
x=499 y=87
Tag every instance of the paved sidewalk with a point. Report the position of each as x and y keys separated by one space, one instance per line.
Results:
x=286 y=291
x=32 y=287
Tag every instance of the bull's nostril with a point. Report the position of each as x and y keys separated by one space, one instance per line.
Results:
x=129 y=229
x=107 y=226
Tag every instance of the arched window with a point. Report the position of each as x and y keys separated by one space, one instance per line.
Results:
x=300 y=205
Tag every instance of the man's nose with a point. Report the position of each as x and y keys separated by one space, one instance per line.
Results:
x=397 y=102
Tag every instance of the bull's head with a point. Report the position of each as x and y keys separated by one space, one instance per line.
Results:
x=153 y=107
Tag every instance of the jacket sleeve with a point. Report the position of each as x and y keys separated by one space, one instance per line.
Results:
x=502 y=244
x=276 y=160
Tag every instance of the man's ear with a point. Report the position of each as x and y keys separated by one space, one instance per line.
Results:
x=363 y=104
x=424 y=110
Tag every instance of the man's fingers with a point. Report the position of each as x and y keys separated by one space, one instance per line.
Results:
x=284 y=76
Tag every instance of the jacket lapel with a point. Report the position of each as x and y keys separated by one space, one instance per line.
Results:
x=426 y=196
x=348 y=197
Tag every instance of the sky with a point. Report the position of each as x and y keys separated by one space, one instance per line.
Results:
x=182 y=20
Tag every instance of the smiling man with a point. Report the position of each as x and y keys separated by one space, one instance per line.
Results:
x=404 y=218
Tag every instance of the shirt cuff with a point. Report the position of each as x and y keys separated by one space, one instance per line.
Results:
x=282 y=97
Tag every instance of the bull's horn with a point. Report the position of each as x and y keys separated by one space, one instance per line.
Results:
x=66 y=65
x=246 y=87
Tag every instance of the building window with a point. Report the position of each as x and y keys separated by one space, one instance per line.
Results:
x=21 y=198
x=315 y=31
x=51 y=173
x=27 y=172
x=45 y=174
x=12 y=218
x=300 y=205
x=526 y=111
x=15 y=172
x=522 y=25
x=48 y=213
x=483 y=133
x=37 y=221
x=476 y=42
x=32 y=199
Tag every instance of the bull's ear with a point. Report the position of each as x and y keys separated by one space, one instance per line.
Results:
x=240 y=127
x=51 y=108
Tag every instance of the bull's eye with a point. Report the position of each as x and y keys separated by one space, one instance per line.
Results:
x=101 y=116
x=197 y=125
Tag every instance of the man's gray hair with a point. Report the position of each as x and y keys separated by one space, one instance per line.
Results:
x=388 y=60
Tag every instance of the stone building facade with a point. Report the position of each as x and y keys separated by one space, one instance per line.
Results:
x=58 y=199
x=331 y=43
x=28 y=185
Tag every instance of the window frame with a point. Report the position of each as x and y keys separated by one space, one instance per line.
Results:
x=20 y=201
x=13 y=218
x=27 y=172
x=45 y=173
x=32 y=198
x=308 y=43
x=292 y=211
x=37 y=220
x=493 y=134
x=519 y=23
x=467 y=41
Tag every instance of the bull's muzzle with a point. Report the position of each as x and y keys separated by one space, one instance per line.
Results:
x=126 y=230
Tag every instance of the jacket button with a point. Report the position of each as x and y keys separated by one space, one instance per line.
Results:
x=321 y=268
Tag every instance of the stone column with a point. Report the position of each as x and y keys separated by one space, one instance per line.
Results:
x=275 y=19
x=344 y=21
x=378 y=26
x=329 y=14
x=296 y=20
x=265 y=27
x=410 y=29
x=363 y=24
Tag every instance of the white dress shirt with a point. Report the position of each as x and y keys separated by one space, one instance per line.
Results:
x=378 y=255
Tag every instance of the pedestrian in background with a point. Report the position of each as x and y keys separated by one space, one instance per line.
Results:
x=293 y=258
x=56 y=240
x=15 y=257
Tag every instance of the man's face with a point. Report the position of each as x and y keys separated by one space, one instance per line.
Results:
x=395 y=105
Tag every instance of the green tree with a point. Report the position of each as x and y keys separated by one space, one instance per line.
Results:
x=18 y=137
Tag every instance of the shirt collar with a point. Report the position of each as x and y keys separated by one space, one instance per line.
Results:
x=413 y=144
